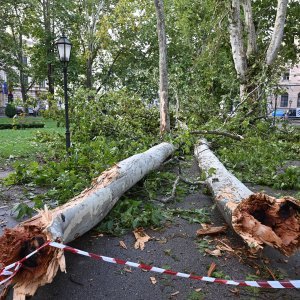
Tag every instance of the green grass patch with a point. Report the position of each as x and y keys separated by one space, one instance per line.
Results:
x=22 y=143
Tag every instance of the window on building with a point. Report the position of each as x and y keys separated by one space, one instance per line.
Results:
x=298 y=100
x=42 y=84
x=284 y=100
x=286 y=76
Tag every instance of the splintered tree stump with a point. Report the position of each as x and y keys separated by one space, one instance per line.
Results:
x=71 y=220
x=258 y=218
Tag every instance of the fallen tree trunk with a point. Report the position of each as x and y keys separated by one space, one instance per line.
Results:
x=67 y=222
x=258 y=218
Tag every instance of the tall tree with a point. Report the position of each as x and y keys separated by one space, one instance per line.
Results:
x=163 y=71
x=245 y=54
x=16 y=34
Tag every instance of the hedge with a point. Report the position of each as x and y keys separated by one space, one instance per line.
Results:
x=21 y=126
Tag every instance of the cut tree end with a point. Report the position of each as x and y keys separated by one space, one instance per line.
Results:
x=37 y=270
x=262 y=219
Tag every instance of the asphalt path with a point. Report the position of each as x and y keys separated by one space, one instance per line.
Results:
x=174 y=247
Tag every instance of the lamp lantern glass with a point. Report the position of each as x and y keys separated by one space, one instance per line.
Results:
x=64 y=49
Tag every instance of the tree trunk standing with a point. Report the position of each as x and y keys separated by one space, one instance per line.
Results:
x=250 y=28
x=163 y=72
x=22 y=75
x=245 y=59
x=277 y=35
x=237 y=46
x=89 y=74
x=258 y=218
x=49 y=44
x=73 y=219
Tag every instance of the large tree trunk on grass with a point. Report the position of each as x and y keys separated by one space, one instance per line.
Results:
x=258 y=218
x=67 y=222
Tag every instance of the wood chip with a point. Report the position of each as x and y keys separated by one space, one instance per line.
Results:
x=174 y=294
x=198 y=290
x=271 y=273
x=141 y=238
x=98 y=235
x=128 y=270
x=210 y=230
x=153 y=280
x=235 y=291
x=211 y=269
x=122 y=244
x=215 y=252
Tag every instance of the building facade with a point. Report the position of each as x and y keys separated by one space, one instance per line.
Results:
x=289 y=98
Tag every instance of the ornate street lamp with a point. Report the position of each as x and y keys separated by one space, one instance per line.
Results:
x=64 y=51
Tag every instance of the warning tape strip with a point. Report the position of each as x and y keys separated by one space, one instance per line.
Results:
x=287 y=284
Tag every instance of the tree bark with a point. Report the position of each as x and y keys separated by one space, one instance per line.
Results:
x=163 y=72
x=277 y=35
x=75 y=218
x=21 y=71
x=236 y=41
x=48 y=44
x=251 y=33
x=258 y=218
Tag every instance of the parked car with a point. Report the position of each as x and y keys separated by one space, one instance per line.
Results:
x=32 y=111
x=278 y=113
x=285 y=113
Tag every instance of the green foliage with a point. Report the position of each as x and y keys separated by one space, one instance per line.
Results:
x=118 y=115
x=254 y=290
x=22 y=210
x=220 y=274
x=119 y=127
x=260 y=158
x=158 y=183
x=289 y=179
x=129 y=214
x=10 y=110
x=200 y=215
x=194 y=295
x=204 y=244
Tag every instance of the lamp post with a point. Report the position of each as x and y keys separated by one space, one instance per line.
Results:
x=64 y=50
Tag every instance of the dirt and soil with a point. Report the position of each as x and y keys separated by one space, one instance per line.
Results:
x=175 y=246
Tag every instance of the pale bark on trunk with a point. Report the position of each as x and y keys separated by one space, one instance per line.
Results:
x=258 y=218
x=163 y=72
x=75 y=218
x=277 y=35
x=250 y=28
x=236 y=41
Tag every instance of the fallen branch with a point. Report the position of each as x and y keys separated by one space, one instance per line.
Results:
x=258 y=218
x=67 y=222
x=211 y=230
x=217 y=132
x=185 y=180
x=173 y=193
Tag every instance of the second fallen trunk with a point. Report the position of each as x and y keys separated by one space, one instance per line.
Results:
x=258 y=218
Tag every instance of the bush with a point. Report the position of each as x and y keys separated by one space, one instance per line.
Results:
x=10 y=110
x=21 y=126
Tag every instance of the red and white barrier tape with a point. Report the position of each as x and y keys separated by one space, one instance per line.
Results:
x=284 y=284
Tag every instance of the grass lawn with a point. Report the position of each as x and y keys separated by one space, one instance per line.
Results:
x=21 y=143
